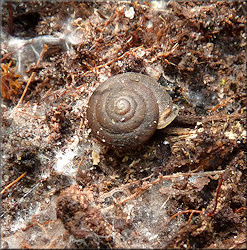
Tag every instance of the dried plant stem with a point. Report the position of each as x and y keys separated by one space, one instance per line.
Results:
x=31 y=77
x=192 y=211
x=217 y=196
x=12 y=183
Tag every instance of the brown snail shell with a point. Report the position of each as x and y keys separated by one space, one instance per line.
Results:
x=125 y=110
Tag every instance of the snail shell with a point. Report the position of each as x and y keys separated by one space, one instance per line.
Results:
x=125 y=110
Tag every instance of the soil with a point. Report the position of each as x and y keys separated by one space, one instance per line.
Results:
x=61 y=188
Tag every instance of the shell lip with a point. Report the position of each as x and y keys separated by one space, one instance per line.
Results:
x=168 y=116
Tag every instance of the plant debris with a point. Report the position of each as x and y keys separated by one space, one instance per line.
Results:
x=10 y=83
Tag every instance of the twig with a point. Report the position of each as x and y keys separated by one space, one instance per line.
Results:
x=82 y=159
x=222 y=104
x=33 y=116
x=216 y=198
x=31 y=77
x=43 y=228
x=80 y=126
x=240 y=209
x=12 y=183
x=192 y=211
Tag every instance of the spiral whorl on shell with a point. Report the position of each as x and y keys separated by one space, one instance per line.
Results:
x=124 y=111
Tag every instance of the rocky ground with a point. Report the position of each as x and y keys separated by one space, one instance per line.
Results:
x=61 y=188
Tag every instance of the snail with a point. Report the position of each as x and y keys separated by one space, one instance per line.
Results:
x=125 y=110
